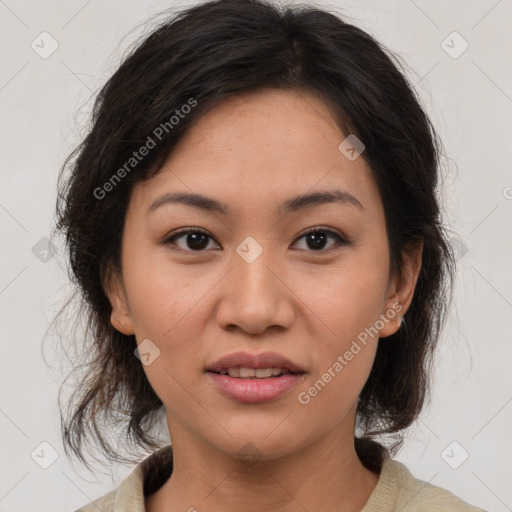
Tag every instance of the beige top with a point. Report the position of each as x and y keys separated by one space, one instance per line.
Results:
x=396 y=490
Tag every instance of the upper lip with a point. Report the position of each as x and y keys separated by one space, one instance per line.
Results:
x=248 y=360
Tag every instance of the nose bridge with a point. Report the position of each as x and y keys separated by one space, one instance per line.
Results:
x=256 y=297
x=253 y=263
x=252 y=271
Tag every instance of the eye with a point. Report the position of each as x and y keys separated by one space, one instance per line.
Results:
x=195 y=239
x=318 y=236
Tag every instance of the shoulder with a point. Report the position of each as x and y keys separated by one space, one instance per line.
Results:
x=104 y=504
x=128 y=497
x=414 y=495
x=145 y=478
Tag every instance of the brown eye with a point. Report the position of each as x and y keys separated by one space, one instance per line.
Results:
x=316 y=239
x=196 y=240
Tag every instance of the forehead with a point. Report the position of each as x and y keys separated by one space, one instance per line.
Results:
x=281 y=122
x=262 y=148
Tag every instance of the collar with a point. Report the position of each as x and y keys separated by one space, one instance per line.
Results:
x=154 y=471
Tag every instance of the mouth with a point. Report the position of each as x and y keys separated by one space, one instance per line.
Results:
x=255 y=373
x=251 y=378
x=248 y=365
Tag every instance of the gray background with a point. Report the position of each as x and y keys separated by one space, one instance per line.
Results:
x=44 y=103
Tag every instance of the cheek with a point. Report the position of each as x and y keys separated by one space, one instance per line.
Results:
x=346 y=303
x=165 y=308
x=346 y=298
x=345 y=346
x=161 y=294
x=333 y=393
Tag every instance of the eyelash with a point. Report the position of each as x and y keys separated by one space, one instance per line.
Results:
x=186 y=231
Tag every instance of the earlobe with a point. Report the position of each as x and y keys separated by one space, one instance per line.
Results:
x=392 y=320
x=123 y=324
x=401 y=293
x=120 y=317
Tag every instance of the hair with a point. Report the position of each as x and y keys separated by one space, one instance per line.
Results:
x=200 y=56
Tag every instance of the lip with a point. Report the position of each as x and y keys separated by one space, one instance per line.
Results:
x=255 y=390
x=251 y=391
x=248 y=360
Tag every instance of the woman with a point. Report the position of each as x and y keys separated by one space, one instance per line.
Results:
x=253 y=225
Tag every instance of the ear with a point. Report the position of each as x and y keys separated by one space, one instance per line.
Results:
x=120 y=317
x=401 y=291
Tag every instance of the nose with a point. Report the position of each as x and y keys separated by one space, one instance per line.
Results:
x=256 y=295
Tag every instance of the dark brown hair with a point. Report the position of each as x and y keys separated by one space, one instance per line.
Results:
x=201 y=56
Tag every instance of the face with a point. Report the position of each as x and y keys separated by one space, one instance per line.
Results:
x=249 y=278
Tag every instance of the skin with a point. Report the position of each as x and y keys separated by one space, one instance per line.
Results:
x=252 y=152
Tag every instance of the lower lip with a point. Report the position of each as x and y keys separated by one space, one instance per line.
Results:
x=255 y=390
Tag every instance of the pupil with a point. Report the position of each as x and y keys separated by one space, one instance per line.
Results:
x=318 y=239
x=195 y=237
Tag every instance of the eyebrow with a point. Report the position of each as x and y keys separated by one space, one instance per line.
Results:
x=293 y=204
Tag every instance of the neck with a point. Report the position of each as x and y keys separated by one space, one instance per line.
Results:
x=326 y=476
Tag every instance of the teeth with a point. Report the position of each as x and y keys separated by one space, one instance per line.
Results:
x=248 y=373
